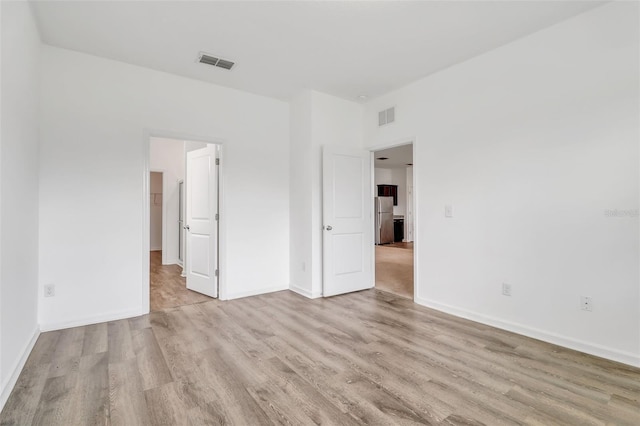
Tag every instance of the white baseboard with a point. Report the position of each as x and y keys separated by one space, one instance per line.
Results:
x=171 y=261
x=113 y=316
x=155 y=249
x=8 y=386
x=304 y=292
x=240 y=295
x=549 y=337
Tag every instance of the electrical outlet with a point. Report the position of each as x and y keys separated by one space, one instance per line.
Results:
x=586 y=303
x=506 y=289
x=49 y=290
x=448 y=210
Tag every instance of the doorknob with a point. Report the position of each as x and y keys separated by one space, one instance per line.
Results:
x=187 y=227
x=329 y=227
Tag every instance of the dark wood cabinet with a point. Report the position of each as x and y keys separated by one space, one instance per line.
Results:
x=398 y=230
x=389 y=191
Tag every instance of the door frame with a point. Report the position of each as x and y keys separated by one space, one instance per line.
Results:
x=416 y=243
x=146 y=243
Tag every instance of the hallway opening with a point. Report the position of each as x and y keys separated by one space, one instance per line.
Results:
x=394 y=268
x=183 y=219
x=394 y=220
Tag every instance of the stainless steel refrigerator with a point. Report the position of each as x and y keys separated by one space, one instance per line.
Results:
x=384 y=219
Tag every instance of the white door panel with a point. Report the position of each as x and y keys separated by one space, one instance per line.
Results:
x=347 y=181
x=201 y=223
x=348 y=229
x=347 y=254
x=200 y=263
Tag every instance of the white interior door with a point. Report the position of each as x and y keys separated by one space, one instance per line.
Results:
x=347 y=216
x=201 y=222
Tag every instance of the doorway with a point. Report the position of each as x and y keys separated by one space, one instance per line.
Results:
x=394 y=220
x=183 y=248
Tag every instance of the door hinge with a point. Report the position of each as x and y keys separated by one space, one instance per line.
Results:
x=217 y=161
x=216 y=272
x=217 y=216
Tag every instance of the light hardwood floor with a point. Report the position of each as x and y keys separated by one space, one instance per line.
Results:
x=394 y=268
x=167 y=288
x=362 y=358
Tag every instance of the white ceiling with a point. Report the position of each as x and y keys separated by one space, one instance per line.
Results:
x=397 y=157
x=342 y=48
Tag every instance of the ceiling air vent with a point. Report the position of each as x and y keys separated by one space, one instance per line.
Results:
x=204 y=58
x=387 y=116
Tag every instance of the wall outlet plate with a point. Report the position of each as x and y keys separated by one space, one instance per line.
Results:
x=49 y=290
x=448 y=210
x=586 y=303
x=506 y=289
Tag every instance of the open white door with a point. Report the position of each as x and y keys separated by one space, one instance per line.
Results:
x=348 y=229
x=201 y=222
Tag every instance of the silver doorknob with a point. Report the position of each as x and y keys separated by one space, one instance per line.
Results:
x=329 y=227
x=187 y=227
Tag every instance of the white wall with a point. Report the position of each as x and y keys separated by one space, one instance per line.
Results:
x=18 y=190
x=317 y=119
x=155 y=211
x=531 y=143
x=381 y=176
x=191 y=146
x=168 y=156
x=95 y=113
x=300 y=193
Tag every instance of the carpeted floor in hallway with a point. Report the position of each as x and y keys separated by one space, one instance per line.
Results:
x=394 y=269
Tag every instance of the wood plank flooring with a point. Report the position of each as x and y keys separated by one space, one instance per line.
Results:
x=394 y=269
x=168 y=289
x=362 y=358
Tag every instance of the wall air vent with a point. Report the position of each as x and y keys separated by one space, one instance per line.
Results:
x=387 y=116
x=205 y=58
